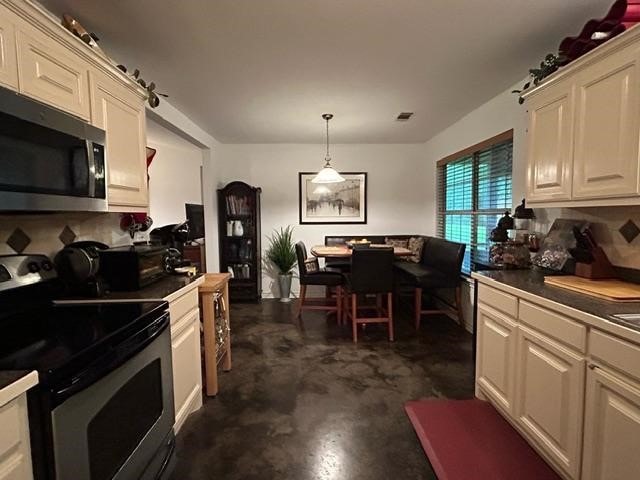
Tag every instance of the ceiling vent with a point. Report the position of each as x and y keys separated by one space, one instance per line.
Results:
x=404 y=116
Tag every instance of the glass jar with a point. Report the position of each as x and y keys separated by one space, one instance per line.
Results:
x=510 y=255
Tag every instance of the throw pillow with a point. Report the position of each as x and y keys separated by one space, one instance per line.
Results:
x=397 y=242
x=415 y=245
x=311 y=265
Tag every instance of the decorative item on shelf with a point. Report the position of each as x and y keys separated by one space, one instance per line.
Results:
x=327 y=174
x=153 y=97
x=622 y=15
x=238 y=229
x=79 y=31
x=282 y=254
x=135 y=222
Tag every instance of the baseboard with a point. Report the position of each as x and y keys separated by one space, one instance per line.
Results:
x=193 y=403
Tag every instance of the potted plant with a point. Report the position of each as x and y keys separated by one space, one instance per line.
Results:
x=282 y=254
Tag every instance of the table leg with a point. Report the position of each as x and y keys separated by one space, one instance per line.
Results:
x=208 y=320
x=226 y=364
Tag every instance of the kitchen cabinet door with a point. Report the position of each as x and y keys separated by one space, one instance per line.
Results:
x=15 y=449
x=121 y=114
x=496 y=356
x=8 y=56
x=607 y=127
x=51 y=74
x=550 y=396
x=187 y=370
x=612 y=427
x=550 y=143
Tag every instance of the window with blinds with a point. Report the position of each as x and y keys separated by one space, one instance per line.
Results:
x=474 y=191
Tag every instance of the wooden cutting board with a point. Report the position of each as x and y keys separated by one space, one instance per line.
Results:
x=613 y=290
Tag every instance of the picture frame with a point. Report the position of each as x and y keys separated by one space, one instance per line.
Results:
x=332 y=203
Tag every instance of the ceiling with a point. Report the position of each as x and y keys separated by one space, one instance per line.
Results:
x=263 y=71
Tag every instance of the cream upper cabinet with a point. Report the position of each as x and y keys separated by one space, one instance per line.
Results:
x=496 y=352
x=607 y=127
x=549 y=397
x=584 y=129
x=550 y=144
x=612 y=427
x=122 y=115
x=8 y=57
x=51 y=74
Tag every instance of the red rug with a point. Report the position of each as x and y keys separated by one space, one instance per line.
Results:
x=469 y=440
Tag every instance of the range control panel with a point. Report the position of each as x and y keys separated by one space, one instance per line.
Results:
x=20 y=270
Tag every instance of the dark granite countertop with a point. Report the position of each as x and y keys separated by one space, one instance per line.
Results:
x=156 y=291
x=7 y=377
x=532 y=281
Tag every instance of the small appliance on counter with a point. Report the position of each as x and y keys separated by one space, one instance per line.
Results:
x=132 y=267
x=78 y=265
x=173 y=236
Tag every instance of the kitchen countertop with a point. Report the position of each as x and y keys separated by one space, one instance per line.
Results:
x=532 y=281
x=159 y=290
x=14 y=383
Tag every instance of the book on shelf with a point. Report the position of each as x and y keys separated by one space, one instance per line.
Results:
x=237 y=205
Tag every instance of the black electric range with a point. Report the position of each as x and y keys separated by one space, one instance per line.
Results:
x=100 y=366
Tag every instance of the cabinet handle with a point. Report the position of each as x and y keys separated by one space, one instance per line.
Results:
x=592 y=366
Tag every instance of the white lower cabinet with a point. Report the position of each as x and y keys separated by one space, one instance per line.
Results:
x=496 y=352
x=549 y=397
x=185 y=354
x=15 y=451
x=612 y=427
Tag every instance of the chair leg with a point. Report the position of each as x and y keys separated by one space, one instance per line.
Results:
x=339 y=304
x=390 y=314
x=459 y=305
x=418 y=306
x=354 y=317
x=303 y=293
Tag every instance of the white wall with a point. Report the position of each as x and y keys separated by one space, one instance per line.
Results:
x=175 y=175
x=399 y=184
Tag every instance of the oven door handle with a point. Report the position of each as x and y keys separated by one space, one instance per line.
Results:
x=110 y=361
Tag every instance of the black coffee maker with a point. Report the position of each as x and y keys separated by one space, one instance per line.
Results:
x=173 y=237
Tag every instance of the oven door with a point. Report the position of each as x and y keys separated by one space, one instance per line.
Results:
x=118 y=427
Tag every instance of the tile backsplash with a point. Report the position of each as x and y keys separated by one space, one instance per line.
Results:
x=605 y=224
x=44 y=230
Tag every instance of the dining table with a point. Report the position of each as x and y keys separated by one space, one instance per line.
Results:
x=344 y=251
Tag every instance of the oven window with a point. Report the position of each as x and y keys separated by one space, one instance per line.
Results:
x=117 y=429
x=36 y=159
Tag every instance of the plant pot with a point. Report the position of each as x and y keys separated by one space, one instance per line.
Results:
x=284 y=281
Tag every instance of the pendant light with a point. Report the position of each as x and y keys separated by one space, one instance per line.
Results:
x=328 y=174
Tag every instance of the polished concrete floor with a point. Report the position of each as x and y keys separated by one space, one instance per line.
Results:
x=302 y=402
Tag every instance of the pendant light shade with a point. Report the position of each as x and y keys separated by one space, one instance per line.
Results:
x=328 y=174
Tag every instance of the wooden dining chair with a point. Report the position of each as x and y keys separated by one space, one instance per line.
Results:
x=371 y=274
x=311 y=274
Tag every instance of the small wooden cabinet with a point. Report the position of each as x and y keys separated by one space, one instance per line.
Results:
x=52 y=75
x=550 y=144
x=496 y=351
x=122 y=115
x=549 y=398
x=612 y=427
x=8 y=56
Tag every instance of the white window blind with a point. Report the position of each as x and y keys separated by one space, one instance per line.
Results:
x=474 y=191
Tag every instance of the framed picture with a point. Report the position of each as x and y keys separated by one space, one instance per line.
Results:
x=332 y=203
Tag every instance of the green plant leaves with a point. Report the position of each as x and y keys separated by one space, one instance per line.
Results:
x=281 y=251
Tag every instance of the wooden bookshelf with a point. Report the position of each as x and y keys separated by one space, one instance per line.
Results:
x=240 y=253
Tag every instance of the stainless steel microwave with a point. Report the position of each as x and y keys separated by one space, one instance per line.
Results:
x=49 y=160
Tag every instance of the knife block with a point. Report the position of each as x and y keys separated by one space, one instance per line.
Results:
x=598 y=269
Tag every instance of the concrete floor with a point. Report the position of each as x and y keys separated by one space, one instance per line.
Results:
x=302 y=402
